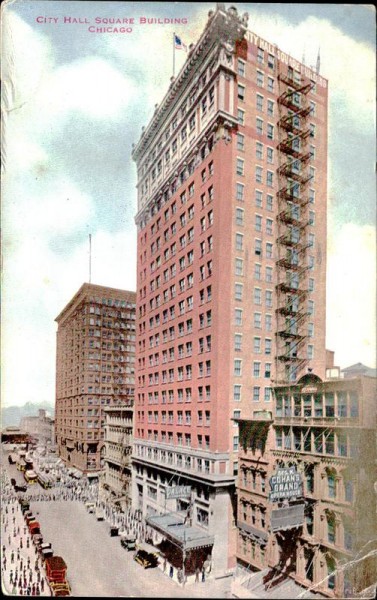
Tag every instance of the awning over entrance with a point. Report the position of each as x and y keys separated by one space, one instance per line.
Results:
x=173 y=527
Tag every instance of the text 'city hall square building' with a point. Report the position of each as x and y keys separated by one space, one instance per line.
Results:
x=232 y=177
x=95 y=369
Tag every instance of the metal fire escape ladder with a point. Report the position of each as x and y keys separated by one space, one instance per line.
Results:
x=293 y=177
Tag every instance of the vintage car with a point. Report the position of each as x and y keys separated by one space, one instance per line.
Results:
x=90 y=507
x=114 y=531
x=146 y=559
x=128 y=542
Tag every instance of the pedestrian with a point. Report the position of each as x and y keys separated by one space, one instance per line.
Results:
x=18 y=554
x=38 y=590
x=11 y=577
x=42 y=585
x=203 y=575
x=12 y=557
x=27 y=542
x=197 y=573
x=21 y=544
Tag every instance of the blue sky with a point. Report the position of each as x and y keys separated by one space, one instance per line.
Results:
x=75 y=102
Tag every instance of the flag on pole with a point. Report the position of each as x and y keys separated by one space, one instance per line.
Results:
x=178 y=44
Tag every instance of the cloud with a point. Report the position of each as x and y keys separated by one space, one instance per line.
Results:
x=38 y=283
x=351 y=295
x=90 y=86
x=349 y=65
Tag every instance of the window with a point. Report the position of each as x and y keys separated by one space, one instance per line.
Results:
x=240 y=141
x=269 y=202
x=270 y=178
x=259 y=150
x=258 y=198
x=239 y=216
x=270 y=107
x=235 y=443
x=240 y=188
x=238 y=342
x=258 y=223
x=238 y=316
x=256 y=369
x=260 y=102
x=267 y=371
x=268 y=322
x=270 y=131
x=267 y=346
x=257 y=320
x=256 y=393
x=259 y=126
x=241 y=116
x=239 y=266
x=269 y=250
x=270 y=61
x=237 y=367
x=238 y=291
x=270 y=84
x=258 y=174
x=240 y=166
x=257 y=271
x=260 y=55
x=267 y=394
x=260 y=78
x=257 y=345
x=310 y=351
x=258 y=247
x=270 y=155
x=257 y=295
x=241 y=92
x=237 y=393
x=239 y=241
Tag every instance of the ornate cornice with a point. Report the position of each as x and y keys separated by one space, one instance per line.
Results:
x=223 y=29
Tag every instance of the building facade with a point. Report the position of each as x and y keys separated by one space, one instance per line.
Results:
x=95 y=369
x=231 y=220
x=118 y=449
x=322 y=534
x=41 y=426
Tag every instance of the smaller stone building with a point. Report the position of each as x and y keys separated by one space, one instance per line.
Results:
x=306 y=499
x=118 y=448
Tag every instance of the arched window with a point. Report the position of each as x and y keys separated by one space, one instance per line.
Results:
x=331 y=532
x=331 y=567
x=331 y=484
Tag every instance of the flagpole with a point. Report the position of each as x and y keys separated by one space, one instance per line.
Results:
x=174 y=54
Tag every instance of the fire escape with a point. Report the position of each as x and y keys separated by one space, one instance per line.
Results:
x=292 y=220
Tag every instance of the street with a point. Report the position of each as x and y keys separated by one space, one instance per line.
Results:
x=97 y=564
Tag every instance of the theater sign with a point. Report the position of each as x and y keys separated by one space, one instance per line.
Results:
x=285 y=484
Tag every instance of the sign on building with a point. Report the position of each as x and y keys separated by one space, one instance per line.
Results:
x=178 y=491
x=285 y=484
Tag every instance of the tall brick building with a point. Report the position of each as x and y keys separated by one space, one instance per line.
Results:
x=95 y=369
x=232 y=176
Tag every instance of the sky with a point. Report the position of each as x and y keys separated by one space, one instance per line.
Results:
x=74 y=101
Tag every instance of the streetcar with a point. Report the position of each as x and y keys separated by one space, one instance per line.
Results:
x=44 y=481
x=30 y=476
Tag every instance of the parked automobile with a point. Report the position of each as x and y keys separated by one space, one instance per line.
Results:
x=128 y=542
x=114 y=531
x=100 y=514
x=90 y=507
x=146 y=559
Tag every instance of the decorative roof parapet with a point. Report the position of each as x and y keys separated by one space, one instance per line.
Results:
x=224 y=27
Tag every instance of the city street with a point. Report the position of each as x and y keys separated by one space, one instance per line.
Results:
x=97 y=564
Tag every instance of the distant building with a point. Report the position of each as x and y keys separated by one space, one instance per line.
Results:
x=14 y=435
x=358 y=370
x=95 y=369
x=118 y=448
x=40 y=426
x=306 y=503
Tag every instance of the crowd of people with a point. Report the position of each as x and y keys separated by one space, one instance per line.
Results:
x=23 y=573
x=22 y=566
